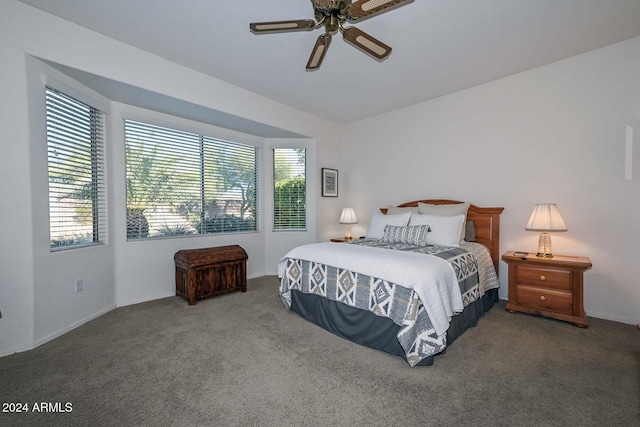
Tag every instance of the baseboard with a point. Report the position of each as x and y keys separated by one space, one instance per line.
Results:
x=54 y=335
x=146 y=299
x=74 y=325
x=595 y=314
x=612 y=318
x=167 y=295
x=17 y=349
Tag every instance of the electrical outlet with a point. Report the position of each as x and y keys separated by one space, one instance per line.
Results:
x=79 y=285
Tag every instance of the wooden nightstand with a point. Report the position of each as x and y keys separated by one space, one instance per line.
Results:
x=551 y=287
x=340 y=240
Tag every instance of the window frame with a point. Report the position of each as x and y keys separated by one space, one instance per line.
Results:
x=98 y=155
x=274 y=226
x=206 y=131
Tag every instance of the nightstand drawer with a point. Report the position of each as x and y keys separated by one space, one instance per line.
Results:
x=545 y=298
x=544 y=277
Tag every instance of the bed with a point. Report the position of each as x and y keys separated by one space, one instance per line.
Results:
x=406 y=291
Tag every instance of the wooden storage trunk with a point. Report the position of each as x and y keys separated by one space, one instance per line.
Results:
x=209 y=272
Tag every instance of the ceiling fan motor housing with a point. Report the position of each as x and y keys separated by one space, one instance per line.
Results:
x=328 y=5
x=331 y=13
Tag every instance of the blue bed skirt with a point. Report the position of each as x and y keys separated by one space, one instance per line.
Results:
x=365 y=328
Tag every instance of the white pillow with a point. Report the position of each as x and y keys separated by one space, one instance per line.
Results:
x=443 y=230
x=378 y=220
x=445 y=210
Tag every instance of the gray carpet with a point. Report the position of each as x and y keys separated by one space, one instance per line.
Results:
x=243 y=360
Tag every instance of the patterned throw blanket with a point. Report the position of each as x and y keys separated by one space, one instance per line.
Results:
x=417 y=335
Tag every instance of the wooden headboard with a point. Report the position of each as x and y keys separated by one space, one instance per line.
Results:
x=485 y=220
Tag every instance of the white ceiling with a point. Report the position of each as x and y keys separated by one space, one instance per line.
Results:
x=439 y=46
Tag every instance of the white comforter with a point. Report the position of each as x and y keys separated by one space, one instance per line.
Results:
x=432 y=278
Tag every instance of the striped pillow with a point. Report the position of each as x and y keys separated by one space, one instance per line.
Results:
x=411 y=235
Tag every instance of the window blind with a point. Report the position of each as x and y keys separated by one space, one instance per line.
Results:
x=77 y=196
x=181 y=183
x=230 y=181
x=289 y=172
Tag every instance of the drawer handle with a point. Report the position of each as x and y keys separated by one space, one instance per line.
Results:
x=543 y=298
x=543 y=278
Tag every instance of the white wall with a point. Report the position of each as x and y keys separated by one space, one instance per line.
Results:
x=553 y=134
x=16 y=243
x=37 y=297
x=57 y=307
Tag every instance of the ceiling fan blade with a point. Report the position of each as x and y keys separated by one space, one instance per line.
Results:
x=318 y=52
x=364 y=41
x=278 y=26
x=365 y=8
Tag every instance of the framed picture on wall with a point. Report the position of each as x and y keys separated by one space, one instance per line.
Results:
x=329 y=182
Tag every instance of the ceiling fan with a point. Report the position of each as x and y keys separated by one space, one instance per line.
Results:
x=333 y=14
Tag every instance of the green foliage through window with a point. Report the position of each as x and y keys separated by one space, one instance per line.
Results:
x=75 y=145
x=182 y=183
x=290 y=189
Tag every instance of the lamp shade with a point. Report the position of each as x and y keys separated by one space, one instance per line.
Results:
x=348 y=216
x=546 y=217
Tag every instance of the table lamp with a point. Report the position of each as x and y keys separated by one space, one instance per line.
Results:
x=545 y=217
x=348 y=217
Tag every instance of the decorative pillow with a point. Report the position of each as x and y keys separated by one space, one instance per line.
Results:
x=445 y=210
x=394 y=210
x=443 y=230
x=411 y=235
x=378 y=220
x=470 y=231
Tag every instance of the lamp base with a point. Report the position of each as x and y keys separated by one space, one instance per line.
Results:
x=347 y=234
x=544 y=245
